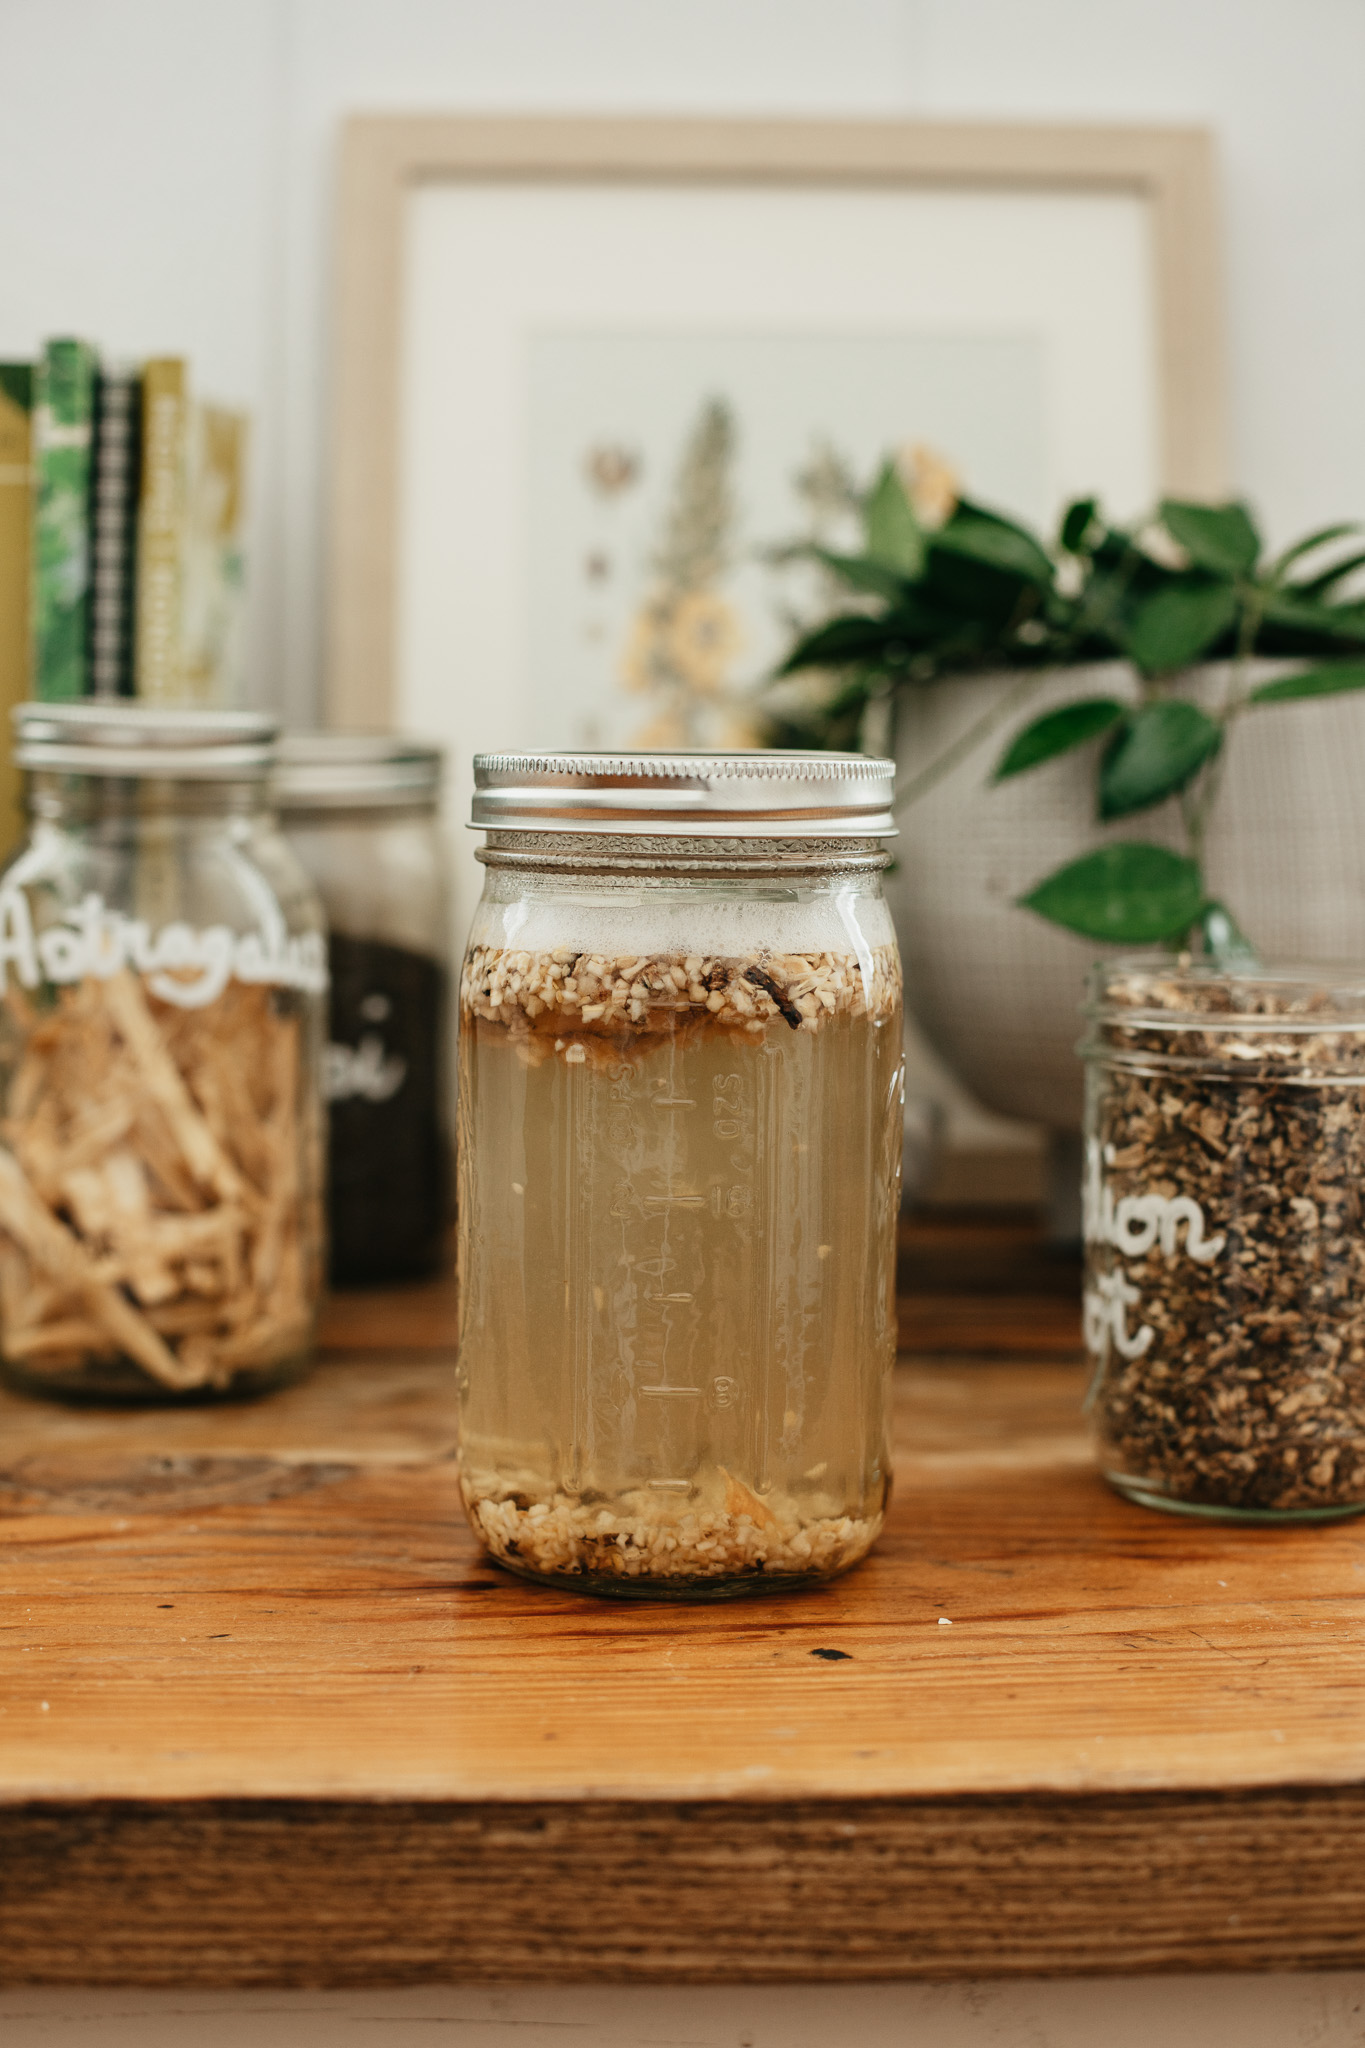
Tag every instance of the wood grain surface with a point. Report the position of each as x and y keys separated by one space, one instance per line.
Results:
x=268 y=1716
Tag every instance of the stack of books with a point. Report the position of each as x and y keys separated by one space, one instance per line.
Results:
x=121 y=503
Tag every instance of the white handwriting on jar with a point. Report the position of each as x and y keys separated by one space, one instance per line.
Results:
x=1133 y=1226
x=362 y=1070
x=1106 y=1318
x=1137 y=1222
x=182 y=966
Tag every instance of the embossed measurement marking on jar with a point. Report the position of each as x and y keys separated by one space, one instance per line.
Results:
x=669 y=1370
x=696 y=1221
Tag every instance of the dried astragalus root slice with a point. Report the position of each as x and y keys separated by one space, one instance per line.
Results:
x=151 y=1209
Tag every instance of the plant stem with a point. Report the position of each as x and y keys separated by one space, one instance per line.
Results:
x=1197 y=805
x=980 y=729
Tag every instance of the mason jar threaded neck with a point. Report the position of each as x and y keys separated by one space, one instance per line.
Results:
x=684 y=859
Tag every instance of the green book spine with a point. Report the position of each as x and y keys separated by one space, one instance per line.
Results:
x=161 y=530
x=16 y=536
x=113 y=528
x=63 y=431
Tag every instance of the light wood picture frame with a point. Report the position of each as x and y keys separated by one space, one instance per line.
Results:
x=387 y=159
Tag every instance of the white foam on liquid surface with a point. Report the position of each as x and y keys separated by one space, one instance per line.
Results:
x=846 y=921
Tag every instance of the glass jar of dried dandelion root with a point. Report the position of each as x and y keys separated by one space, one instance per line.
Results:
x=679 y=1152
x=162 y=976
x=1225 y=1238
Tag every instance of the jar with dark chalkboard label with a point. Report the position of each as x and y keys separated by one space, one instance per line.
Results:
x=361 y=811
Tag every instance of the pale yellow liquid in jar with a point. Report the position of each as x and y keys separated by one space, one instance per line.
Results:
x=677 y=1275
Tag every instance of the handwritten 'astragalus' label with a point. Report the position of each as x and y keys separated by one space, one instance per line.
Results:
x=182 y=964
x=1134 y=1226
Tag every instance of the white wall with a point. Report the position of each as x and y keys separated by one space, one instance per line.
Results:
x=166 y=167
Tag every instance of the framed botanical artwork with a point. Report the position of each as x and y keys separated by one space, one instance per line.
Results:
x=599 y=381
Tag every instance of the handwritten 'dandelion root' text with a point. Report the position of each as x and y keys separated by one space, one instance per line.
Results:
x=1134 y=1226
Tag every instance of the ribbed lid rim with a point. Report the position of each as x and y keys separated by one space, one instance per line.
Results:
x=126 y=738
x=770 y=793
x=341 y=770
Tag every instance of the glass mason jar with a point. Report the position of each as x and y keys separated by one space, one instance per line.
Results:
x=1225 y=1238
x=679 y=1157
x=362 y=813
x=162 y=974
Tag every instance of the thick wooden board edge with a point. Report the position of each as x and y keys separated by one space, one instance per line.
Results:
x=384 y=156
x=235 y=1893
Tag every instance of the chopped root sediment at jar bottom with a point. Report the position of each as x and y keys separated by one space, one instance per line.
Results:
x=721 y=1529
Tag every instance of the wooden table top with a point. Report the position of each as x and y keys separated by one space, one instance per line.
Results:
x=268 y=1716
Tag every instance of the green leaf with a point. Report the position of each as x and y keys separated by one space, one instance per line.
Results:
x=837 y=643
x=1222 y=538
x=1319 y=586
x=862 y=572
x=1076 y=523
x=888 y=642
x=971 y=591
x=1056 y=732
x=1333 y=622
x=894 y=535
x=1177 y=623
x=1130 y=894
x=1312 y=682
x=997 y=543
x=16 y=381
x=1303 y=547
x=1158 y=751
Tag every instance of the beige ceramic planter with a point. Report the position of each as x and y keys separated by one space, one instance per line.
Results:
x=996 y=989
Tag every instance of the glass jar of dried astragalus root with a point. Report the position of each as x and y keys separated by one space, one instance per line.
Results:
x=679 y=1137
x=1225 y=1237
x=162 y=980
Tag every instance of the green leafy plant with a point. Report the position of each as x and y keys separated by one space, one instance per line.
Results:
x=1193 y=584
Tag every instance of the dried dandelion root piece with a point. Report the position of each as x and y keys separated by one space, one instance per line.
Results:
x=743 y=1538
x=610 y=995
x=151 y=1202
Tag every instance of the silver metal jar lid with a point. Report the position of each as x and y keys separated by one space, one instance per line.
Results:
x=113 y=737
x=693 y=795
x=323 y=771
